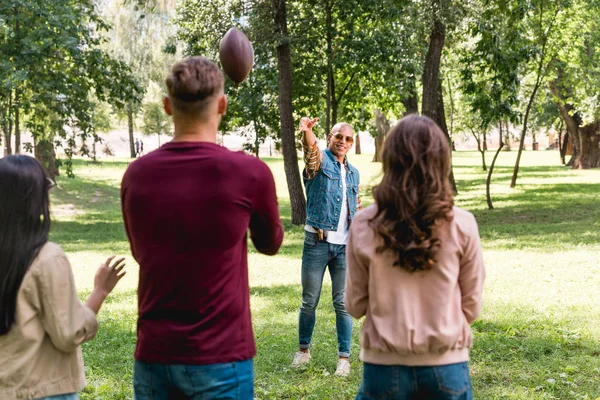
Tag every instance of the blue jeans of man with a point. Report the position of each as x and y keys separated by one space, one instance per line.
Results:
x=441 y=382
x=318 y=255
x=231 y=381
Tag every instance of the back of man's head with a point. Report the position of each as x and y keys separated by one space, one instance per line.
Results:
x=193 y=85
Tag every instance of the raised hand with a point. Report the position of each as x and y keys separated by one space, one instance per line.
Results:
x=107 y=276
x=307 y=123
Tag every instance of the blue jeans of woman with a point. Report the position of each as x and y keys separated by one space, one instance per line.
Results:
x=317 y=255
x=396 y=382
x=231 y=381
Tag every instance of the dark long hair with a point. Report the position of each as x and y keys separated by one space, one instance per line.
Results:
x=24 y=227
x=414 y=193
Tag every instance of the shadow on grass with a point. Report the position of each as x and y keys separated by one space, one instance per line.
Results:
x=275 y=312
x=550 y=217
x=503 y=175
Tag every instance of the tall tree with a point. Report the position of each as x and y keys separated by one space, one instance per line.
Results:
x=53 y=63
x=490 y=71
x=290 y=160
x=140 y=35
x=156 y=121
x=433 y=98
x=542 y=27
x=575 y=81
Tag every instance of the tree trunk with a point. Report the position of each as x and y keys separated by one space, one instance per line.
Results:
x=7 y=127
x=288 y=140
x=431 y=71
x=513 y=181
x=589 y=148
x=507 y=139
x=563 y=143
x=479 y=149
x=488 y=181
x=256 y=141
x=442 y=124
x=451 y=113
x=382 y=125
x=17 y=123
x=560 y=142
x=433 y=99
x=485 y=146
x=357 y=144
x=411 y=101
x=45 y=154
x=585 y=140
x=130 y=125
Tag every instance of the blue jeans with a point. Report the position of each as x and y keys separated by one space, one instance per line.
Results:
x=317 y=255
x=442 y=382
x=68 y=396
x=233 y=381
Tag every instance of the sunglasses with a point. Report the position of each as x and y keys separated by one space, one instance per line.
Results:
x=339 y=136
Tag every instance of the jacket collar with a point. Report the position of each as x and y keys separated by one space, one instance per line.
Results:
x=329 y=154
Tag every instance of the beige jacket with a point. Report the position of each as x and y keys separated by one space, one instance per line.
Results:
x=41 y=354
x=420 y=318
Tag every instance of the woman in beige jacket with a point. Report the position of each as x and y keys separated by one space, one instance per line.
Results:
x=415 y=269
x=42 y=322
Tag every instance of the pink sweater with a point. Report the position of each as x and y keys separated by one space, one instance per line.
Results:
x=420 y=318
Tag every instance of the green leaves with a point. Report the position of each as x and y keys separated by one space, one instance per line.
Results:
x=52 y=57
x=156 y=121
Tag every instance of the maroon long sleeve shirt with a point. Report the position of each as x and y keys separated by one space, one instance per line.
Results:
x=187 y=208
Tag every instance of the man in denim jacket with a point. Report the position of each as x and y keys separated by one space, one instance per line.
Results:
x=332 y=201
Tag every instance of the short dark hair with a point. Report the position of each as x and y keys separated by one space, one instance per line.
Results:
x=192 y=83
x=24 y=228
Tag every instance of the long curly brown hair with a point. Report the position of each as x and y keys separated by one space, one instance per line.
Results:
x=414 y=193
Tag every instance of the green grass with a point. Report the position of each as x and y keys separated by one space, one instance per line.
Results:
x=537 y=338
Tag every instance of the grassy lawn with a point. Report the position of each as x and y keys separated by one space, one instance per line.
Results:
x=537 y=338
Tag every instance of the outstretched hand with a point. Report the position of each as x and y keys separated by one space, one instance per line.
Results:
x=107 y=276
x=307 y=123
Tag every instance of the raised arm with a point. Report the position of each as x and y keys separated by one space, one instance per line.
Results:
x=312 y=154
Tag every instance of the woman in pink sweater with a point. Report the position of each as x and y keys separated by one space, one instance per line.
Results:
x=415 y=269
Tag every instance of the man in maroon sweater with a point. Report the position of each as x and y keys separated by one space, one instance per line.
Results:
x=187 y=207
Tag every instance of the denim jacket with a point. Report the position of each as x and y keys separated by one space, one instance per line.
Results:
x=324 y=193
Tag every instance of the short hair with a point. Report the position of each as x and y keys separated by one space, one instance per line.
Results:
x=192 y=84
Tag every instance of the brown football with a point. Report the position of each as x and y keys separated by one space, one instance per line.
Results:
x=236 y=55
